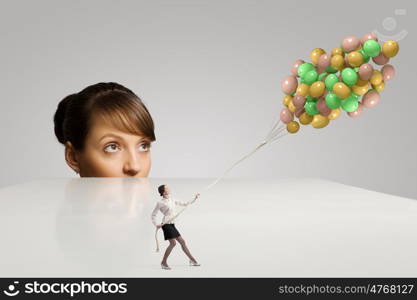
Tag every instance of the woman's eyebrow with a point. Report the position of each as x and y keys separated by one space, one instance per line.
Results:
x=110 y=135
x=144 y=139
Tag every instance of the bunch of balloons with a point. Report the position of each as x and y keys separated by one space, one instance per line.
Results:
x=341 y=80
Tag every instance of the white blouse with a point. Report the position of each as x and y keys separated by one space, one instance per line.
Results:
x=167 y=208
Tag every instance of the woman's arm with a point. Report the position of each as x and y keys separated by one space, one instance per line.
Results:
x=154 y=213
x=186 y=203
x=181 y=203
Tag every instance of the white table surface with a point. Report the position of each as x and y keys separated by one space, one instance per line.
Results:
x=282 y=227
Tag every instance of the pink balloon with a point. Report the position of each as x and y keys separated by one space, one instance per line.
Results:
x=299 y=101
x=289 y=84
x=369 y=36
x=350 y=43
x=299 y=111
x=347 y=64
x=357 y=112
x=388 y=72
x=286 y=115
x=381 y=59
x=370 y=99
x=323 y=63
x=366 y=71
x=323 y=108
x=294 y=68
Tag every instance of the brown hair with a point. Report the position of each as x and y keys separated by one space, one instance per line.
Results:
x=112 y=101
x=161 y=189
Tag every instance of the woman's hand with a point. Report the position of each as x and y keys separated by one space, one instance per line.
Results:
x=196 y=196
x=158 y=226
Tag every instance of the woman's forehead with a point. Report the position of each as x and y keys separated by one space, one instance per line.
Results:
x=101 y=127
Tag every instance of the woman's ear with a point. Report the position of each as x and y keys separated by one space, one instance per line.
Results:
x=71 y=157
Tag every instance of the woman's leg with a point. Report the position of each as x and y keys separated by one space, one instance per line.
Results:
x=185 y=249
x=168 y=251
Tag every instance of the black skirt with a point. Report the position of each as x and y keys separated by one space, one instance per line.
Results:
x=170 y=231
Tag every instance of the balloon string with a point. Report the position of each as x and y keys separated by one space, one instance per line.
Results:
x=276 y=133
x=272 y=129
x=272 y=136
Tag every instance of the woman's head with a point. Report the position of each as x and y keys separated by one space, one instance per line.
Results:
x=107 y=131
x=163 y=190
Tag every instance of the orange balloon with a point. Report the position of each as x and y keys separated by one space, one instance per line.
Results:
x=287 y=99
x=317 y=89
x=320 y=121
x=337 y=62
x=305 y=118
x=376 y=78
x=390 y=48
x=303 y=89
x=315 y=55
x=334 y=114
x=292 y=107
x=293 y=127
x=338 y=51
x=341 y=90
x=379 y=87
x=355 y=58
x=360 y=89
x=361 y=82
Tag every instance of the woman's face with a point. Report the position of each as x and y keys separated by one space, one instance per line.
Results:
x=167 y=191
x=109 y=152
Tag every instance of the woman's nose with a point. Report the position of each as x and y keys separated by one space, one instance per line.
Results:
x=132 y=164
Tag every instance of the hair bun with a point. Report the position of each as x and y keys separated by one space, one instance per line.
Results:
x=59 y=117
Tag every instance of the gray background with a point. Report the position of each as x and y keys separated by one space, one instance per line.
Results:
x=210 y=73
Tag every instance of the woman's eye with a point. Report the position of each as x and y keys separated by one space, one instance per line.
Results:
x=111 y=148
x=145 y=147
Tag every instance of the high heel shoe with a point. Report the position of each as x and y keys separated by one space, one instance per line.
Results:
x=194 y=263
x=165 y=267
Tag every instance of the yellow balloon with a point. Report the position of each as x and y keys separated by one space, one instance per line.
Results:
x=317 y=89
x=390 y=48
x=361 y=82
x=337 y=62
x=315 y=55
x=376 y=78
x=355 y=58
x=287 y=99
x=292 y=107
x=338 y=51
x=360 y=89
x=302 y=89
x=320 y=121
x=293 y=127
x=334 y=114
x=341 y=90
x=305 y=118
x=379 y=87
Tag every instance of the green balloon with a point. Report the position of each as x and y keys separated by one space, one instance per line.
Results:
x=350 y=104
x=331 y=70
x=349 y=76
x=311 y=99
x=304 y=68
x=366 y=57
x=311 y=76
x=332 y=100
x=372 y=48
x=322 y=75
x=356 y=96
x=311 y=108
x=330 y=81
